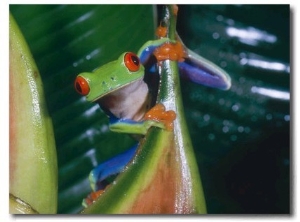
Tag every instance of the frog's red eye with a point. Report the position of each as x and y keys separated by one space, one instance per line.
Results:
x=82 y=86
x=132 y=62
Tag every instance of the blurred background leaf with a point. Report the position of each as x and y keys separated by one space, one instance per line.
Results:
x=241 y=136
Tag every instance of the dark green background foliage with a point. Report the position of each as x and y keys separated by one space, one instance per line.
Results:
x=241 y=137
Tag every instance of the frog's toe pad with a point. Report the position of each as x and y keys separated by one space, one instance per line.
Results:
x=92 y=197
x=158 y=113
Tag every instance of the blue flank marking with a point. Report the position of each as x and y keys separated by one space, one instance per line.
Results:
x=114 y=120
x=146 y=54
x=113 y=165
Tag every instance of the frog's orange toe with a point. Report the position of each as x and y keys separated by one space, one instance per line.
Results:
x=155 y=112
x=92 y=197
x=170 y=115
x=161 y=31
x=158 y=113
x=174 y=52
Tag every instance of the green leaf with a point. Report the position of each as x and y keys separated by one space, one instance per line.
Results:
x=32 y=152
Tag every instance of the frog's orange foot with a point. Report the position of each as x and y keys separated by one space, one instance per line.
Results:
x=92 y=197
x=172 y=51
x=161 y=31
x=159 y=113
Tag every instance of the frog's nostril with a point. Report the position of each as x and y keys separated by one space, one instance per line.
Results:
x=82 y=86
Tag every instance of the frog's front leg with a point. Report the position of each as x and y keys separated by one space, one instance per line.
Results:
x=147 y=50
x=155 y=117
x=133 y=127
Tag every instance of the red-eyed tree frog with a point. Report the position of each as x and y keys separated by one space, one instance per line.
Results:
x=126 y=91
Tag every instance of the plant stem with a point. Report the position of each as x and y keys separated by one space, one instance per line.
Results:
x=170 y=96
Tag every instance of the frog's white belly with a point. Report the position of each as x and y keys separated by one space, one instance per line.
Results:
x=129 y=102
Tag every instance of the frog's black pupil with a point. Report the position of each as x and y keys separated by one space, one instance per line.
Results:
x=135 y=60
x=78 y=87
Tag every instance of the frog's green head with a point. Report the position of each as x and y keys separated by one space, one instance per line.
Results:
x=109 y=77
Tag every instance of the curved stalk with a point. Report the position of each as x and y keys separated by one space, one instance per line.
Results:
x=170 y=96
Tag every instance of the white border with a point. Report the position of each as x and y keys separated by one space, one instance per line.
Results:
x=4 y=6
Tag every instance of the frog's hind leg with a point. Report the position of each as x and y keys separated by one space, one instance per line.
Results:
x=201 y=71
x=110 y=167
